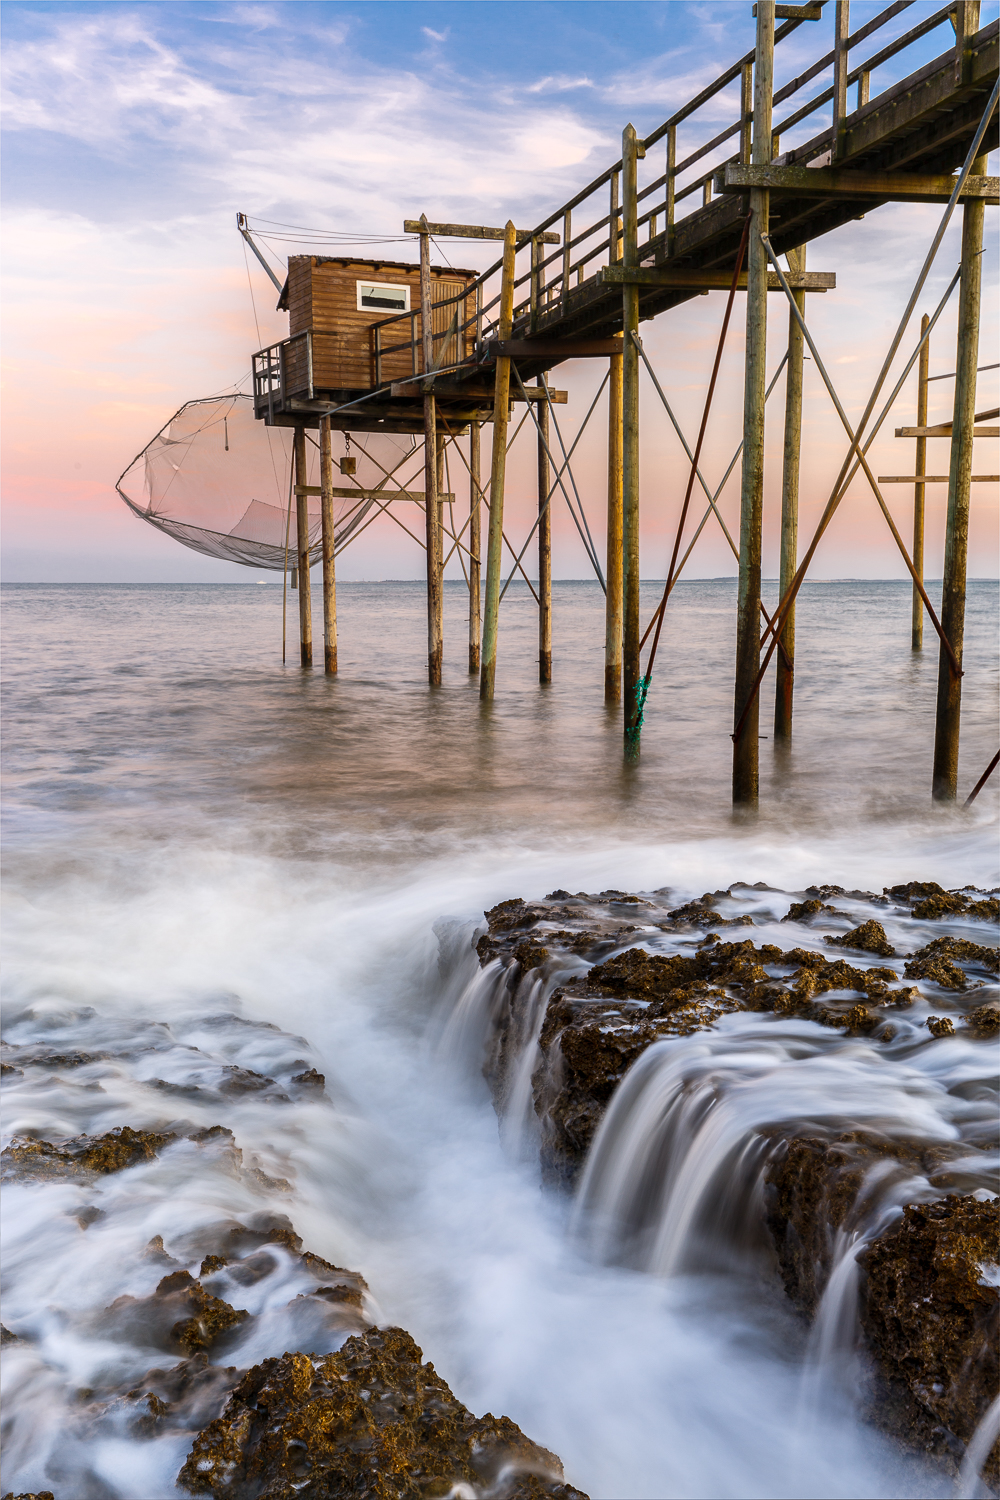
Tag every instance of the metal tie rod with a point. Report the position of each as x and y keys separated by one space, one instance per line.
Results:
x=593 y=560
x=554 y=485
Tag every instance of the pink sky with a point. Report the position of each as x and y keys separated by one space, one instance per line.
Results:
x=128 y=294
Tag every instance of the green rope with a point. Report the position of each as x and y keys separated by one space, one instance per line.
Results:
x=633 y=730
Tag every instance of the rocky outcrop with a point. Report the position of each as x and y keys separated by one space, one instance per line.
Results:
x=595 y=1024
x=930 y=1309
x=35 y=1159
x=605 y=1000
x=817 y=1188
x=369 y=1421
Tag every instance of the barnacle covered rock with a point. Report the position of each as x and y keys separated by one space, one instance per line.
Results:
x=370 y=1421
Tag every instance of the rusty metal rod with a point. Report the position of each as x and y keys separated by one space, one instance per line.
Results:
x=982 y=780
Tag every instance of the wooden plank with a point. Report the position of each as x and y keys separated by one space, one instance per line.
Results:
x=359 y=494
x=474 y=232
x=558 y=349
x=847 y=182
x=406 y=388
x=944 y=430
x=813 y=12
x=934 y=479
x=713 y=281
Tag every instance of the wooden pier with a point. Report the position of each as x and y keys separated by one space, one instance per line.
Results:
x=378 y=346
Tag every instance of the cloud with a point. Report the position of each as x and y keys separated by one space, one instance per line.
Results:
x=435 y=36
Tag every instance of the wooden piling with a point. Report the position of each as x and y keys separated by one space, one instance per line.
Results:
x=917 y=612
x=632 y=150
x=956 y=546
x=501 y=410
x=475 y=545
x=745 y=745
x=613 y=603
x=544 y=543
x=329 y=561
x=302 y=549
x=785 y=668
x=432 y=525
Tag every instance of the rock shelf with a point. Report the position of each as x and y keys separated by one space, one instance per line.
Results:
x=575 y=979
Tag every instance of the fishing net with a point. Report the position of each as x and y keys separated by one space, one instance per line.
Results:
x=218 y=480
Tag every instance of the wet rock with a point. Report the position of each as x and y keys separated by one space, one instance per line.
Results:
x=940 y=1026
x=929 y=1311
x=985 y=1020
x=369 y=1421
x=801 y=911
x=34 y=1159
x=959 y=951
x=35 y=1495
x=180 y=1315
x=8 y=1070
x=815 y=1187
x=310 y=1080
x=954 y=903
x=212 y=1263
x=913 y=890
x=869 y=938
x=6 y=1337
x=238 y=1081
x=939 y=970
x=531 y=955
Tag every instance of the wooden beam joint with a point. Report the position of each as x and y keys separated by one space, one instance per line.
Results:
x=474 y=232
x=712 y=281
x=846 y=182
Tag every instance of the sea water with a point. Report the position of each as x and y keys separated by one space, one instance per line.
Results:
x=216 y=862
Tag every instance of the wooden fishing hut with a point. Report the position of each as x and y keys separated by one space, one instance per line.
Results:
x=627 y=251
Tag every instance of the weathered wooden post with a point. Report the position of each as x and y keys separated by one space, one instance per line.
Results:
x=745 y=745
x=501 y=409
x=475 y=545
x=613 y=603
x=432 y=529
x=544 y=542
x=841 y=31
x=923 y=369
x=632 y=150
x=785 y=666
x=302 y=549
x=956 y=545
x=329 y=563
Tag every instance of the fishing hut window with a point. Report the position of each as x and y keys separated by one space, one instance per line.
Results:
x=375 y=296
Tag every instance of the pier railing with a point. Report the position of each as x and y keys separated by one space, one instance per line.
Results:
x=549 y=288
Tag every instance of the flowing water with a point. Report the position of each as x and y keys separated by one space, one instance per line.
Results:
x=217 y=866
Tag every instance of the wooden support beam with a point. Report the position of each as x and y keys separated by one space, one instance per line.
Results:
x=712 y=281
x=956 y=546
x=935 y=478
x=813 y=12
x=357 y=494
x=302 y=552
x=404 y=388
x=944 y=430
x=498 y=472
x=745 y=742
x=432 y=520
x=557 y=349
x=841 y=32
x=632 y=150
x=473 y=232
x=613 y=602
x=329 y=562
x=475 y=545
x=855 y=182
x=785 y=665
x=917 y=605
x=544 y=547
